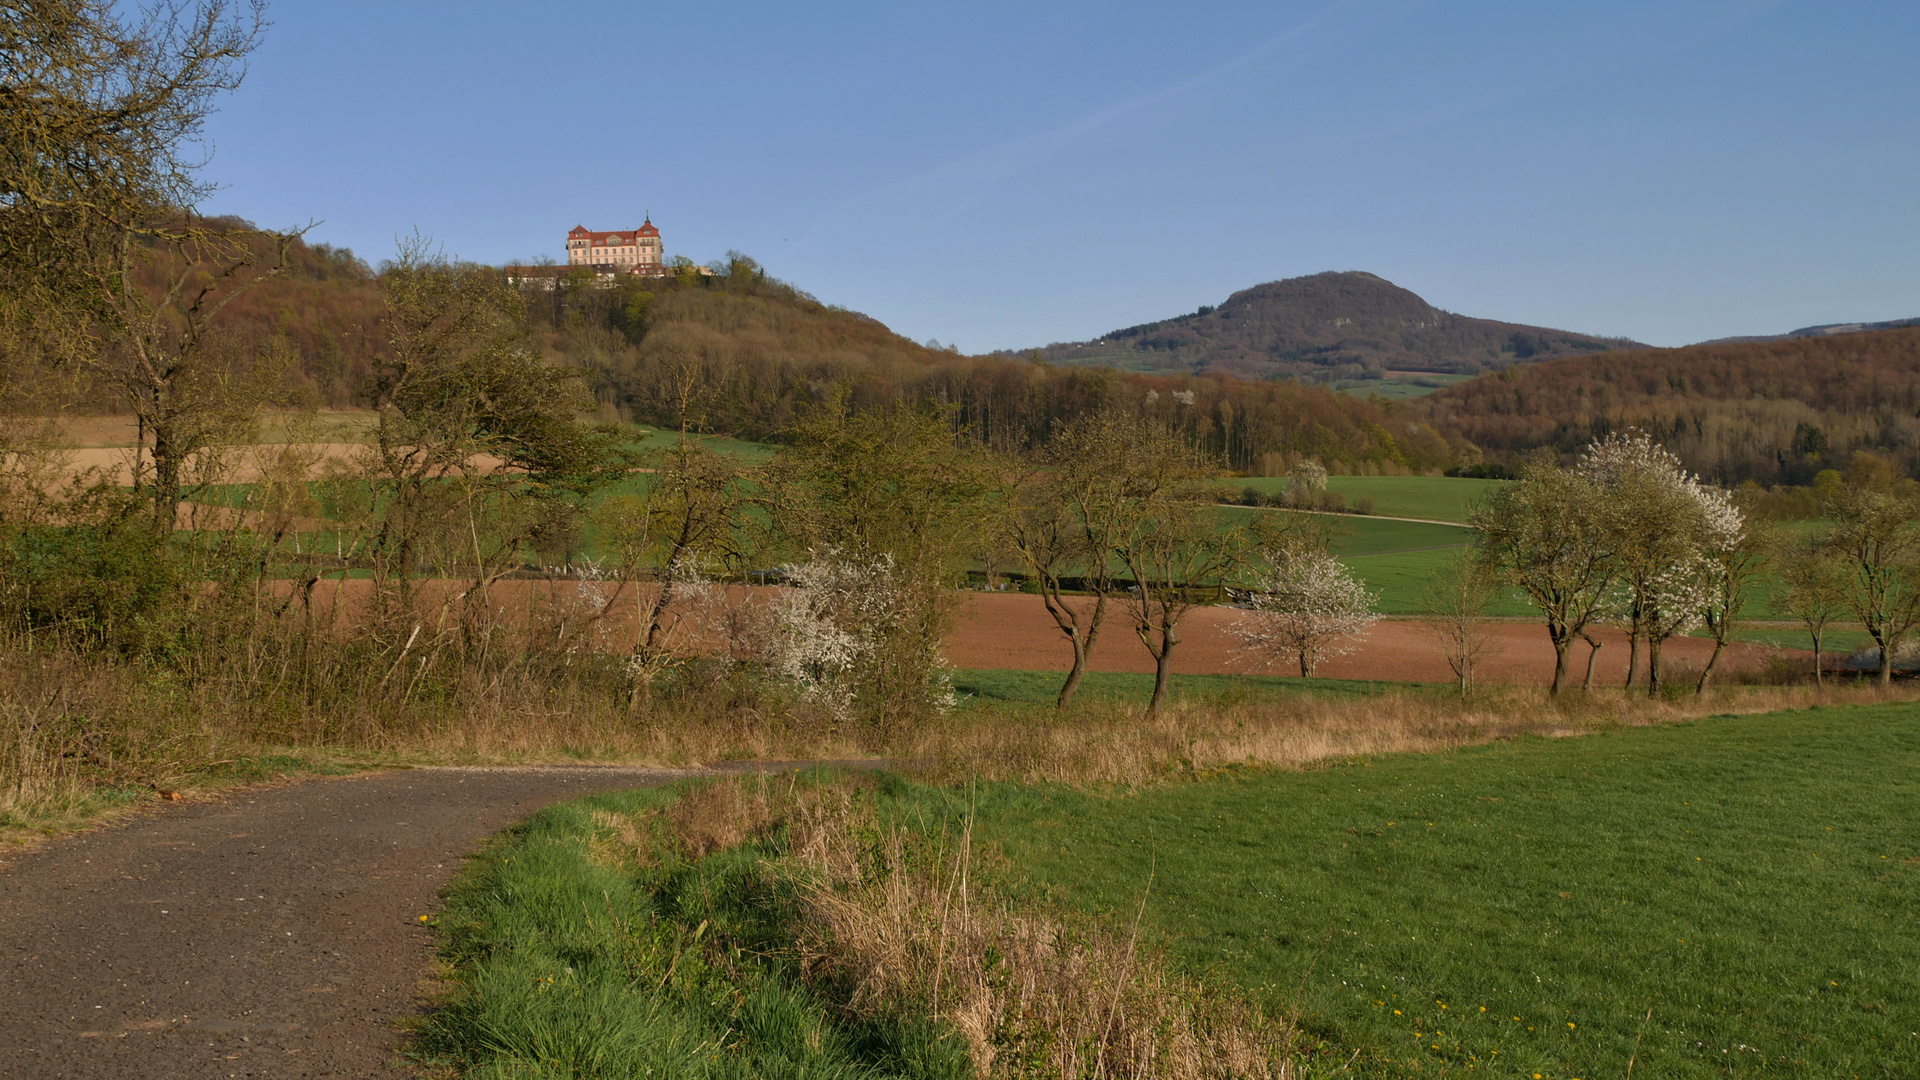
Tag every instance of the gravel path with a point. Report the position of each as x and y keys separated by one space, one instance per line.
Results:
x=273 y=932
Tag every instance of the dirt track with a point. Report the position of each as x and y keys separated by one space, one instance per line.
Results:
x=271 y=933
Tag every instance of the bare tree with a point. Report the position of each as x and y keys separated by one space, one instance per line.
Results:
x=1179 y=557
x=1454 y=608
x=1816 y=592
x=1066 y=515
x=100 y=110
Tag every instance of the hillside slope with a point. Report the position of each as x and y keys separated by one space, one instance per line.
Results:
x=744 y=354
x=1772 y=411
x=1325 y=327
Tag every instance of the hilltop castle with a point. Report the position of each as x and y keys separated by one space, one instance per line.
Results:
x=636 y=251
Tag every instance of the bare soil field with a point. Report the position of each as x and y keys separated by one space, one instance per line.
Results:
x=1008 y=630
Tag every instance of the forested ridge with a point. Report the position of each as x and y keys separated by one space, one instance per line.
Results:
x=745 y=354
x=1776 y=412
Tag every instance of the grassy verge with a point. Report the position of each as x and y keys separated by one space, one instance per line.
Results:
x=796 y=927
x=52 y=805
x=1731 y=897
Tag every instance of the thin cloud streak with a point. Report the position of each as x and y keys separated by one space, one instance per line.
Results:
x=1004 y=160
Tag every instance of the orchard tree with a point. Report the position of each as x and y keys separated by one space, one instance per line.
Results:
x=1671 y=543
x=1306 y=608
x=1816 y=592
x=1876 y=540
x=1180 y=556
x=1066 y=514
x=1544 y=533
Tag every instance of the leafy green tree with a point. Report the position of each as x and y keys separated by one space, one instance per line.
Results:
x=1544 y=533
x=1816 y=592
x=1876 y=539
x=477 y=446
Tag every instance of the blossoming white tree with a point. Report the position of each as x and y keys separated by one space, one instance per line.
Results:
x=840 y=632
x=1308 y=608
x=1677 y=546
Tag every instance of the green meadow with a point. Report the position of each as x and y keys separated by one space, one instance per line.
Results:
x=1435 y=498
x=1733 y=897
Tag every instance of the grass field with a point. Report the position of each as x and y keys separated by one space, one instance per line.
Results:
x=1518 y=909
x=1397 y=389
x=1435 y=498
x=1002 y=686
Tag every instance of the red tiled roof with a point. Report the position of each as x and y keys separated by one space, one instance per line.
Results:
x=626 y=236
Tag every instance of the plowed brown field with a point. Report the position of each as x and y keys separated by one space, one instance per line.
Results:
x=1014 y=631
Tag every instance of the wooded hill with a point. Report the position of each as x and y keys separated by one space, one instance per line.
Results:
x=744 y=354
x=1325 y=327
x=741 y=353
x=1776 y=412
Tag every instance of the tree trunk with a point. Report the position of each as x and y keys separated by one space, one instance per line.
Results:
x=1817 y=673
x=1074 y=675
x=1653 y=666
x=1082 y=642
x=1593 y=650
x=1162 y=672
x=1886 y=664
x=1633 y=656
x=1559 y=662
x=1707 y=673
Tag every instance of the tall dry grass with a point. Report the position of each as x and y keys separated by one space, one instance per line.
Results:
x=892 y=922
x=1109 y=743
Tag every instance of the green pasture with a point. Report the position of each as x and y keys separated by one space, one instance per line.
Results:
x=1396 y=389
x=1011 y=687
x=1729 y=898
x=1436 y=498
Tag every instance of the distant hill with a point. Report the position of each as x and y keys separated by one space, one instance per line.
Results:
x=1323 y=328
x=1773 y=411
x=1827 y=330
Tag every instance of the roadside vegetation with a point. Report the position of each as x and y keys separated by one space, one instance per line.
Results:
x=1709 y=899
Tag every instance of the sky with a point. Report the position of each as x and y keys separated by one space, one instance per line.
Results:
x=1005 y=175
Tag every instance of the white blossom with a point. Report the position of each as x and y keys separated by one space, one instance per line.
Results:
x=1309 y=608
x=834 y=620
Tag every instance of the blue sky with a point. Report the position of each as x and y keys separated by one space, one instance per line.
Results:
x=1009 y=174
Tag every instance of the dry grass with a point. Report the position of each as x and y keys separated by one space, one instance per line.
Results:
x=1106 y=743
x=896 y=922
